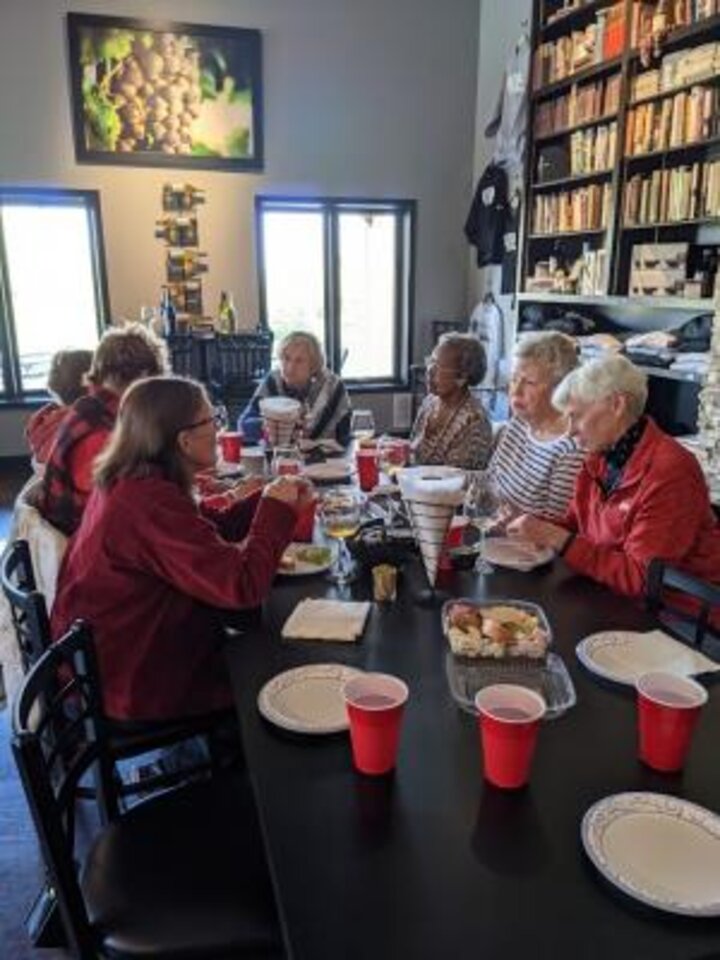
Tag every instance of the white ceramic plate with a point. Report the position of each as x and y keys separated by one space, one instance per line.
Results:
x=623 y=655
x=307 y=699
x=659 y=849
x=515 y=553
x=304 y=568
x=330 y=471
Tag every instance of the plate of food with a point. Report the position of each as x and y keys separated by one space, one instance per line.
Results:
x=499 y=630
x=305 y=559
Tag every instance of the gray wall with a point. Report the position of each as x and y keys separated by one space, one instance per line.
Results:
x=366 y=98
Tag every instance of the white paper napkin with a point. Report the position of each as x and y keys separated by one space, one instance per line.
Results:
x=342 y=620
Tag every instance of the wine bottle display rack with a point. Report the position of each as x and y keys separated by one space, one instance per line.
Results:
x=184 y=262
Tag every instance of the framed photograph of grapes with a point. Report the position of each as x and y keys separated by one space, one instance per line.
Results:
x=165 y=94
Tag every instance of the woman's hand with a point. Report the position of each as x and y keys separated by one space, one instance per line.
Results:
x=539 y=532
x=295 y=491
x=246 y=487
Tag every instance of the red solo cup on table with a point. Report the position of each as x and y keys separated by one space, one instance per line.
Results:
x=375 y=703
x=508 y=719
x=368 y=468
x=230 y=445
x=668 y=710
x=454 y=538
x=305 y=525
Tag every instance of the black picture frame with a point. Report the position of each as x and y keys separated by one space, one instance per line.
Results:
x=164 y=94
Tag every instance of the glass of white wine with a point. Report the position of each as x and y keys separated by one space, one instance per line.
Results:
x=340 y=517
x=362 y=425
x=481 y=505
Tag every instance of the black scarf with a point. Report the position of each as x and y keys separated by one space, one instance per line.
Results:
x=619 y=454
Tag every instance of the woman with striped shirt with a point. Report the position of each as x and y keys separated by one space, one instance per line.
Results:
x=535 y=460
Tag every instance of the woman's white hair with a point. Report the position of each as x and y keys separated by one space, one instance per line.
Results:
x=555 y=351
x=599 y=379
x=301 y=338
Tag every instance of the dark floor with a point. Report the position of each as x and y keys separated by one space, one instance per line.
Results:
x=20 y=862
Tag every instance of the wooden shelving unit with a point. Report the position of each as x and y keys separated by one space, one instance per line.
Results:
x=608 y=251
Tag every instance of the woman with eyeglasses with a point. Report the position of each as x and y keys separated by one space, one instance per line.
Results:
x=149 y=572
x=451 y=427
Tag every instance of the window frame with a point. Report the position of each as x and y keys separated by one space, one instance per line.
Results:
x=405 y=211
x=12 y=393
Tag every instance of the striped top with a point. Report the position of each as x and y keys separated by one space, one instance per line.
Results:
x=535 y=476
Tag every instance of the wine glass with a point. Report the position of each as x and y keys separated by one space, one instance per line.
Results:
x=362 y=425
x=482 y=502
x=394 y=454
x=286 y=461
x=340 y=517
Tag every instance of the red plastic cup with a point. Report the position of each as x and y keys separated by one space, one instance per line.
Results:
x=368 y=468
x=454 y=538
x=508 y=720
x=375 y=704
x=668 y=710
x=305 y=526
x=230 y=445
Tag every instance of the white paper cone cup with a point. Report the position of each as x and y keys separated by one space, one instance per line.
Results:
x=430 y=523
x=279 y=432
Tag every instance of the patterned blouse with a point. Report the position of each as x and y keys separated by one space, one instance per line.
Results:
x=459 y=437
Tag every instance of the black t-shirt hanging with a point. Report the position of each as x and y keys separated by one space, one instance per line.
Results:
x=485 y=226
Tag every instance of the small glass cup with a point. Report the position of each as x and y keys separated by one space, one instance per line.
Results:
x=286 y=461
x=340 y=516
x=481 y=506
x=362 y=425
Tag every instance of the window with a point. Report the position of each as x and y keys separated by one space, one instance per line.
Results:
x=52 y=282
x=341 y=269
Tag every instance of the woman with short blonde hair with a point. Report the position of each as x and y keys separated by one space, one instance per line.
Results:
x=639 y=496
x=302 y=375
x=536 y=461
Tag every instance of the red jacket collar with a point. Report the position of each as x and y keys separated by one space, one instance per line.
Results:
x=639 y=461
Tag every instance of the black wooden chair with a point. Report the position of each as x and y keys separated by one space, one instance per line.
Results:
x=667 y=588
x=240 y=361
x=32 y=627
x=27 y=605
x=182 y=874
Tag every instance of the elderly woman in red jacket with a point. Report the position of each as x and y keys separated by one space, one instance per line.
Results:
x=639 y=495
x=148 y=571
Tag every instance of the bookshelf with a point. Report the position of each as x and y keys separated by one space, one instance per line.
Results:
x=623 y=172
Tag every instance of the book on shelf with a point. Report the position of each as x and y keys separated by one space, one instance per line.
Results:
x=584 y=102
x=686 y=118
x=601 y=40
x=572 y=211
x=677 y=69
x=673 y=195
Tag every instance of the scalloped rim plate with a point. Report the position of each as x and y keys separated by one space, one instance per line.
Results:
x=303 y=568
x=623 y=655
x=659 y=849
x=329 y=471
x=307 y=699
x=516 y=554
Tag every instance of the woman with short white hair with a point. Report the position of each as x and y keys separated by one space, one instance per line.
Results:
x=639 y=496
x=536 y=461
x=302 y=375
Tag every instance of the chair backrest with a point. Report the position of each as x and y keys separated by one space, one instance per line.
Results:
x=27 y=605
x=689 y=607
x=58 y=734
x=239 y=362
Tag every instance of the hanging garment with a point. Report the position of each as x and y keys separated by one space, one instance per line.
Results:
x=486 y=223
x=509 y=120
x=488 y=325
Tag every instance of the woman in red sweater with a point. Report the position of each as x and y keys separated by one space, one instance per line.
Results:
x=639 y=495
x=146 y=569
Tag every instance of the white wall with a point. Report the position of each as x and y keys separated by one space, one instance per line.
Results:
x=362 y=97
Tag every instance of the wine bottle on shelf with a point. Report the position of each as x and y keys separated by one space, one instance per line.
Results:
x=183 y=264
x=181 y=196
x=167 y=312
x=227 y=317
x=177 y=231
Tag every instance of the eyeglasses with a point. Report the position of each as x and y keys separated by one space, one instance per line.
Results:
x=217 y=419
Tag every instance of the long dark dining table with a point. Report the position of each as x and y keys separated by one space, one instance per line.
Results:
x=433 y=862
